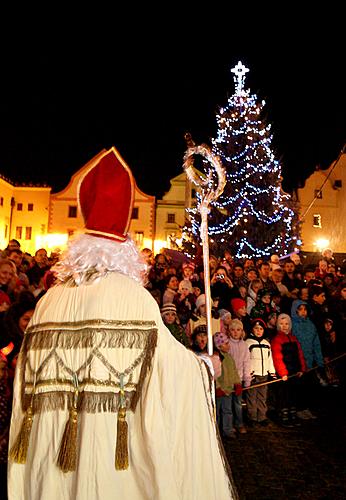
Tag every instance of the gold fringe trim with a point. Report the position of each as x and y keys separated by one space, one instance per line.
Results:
x=146 y=365
x=121 y=449
x=67 y=459
x=76 y=325
x=19 y=450
x=88 y=402
x=87 y=338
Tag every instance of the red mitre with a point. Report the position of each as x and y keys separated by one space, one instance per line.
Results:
x=106 y=195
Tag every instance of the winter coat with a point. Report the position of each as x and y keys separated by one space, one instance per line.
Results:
x=261 y=361
x=239 y=351
x=287 y=354
x=229 y=375
x=306 y=332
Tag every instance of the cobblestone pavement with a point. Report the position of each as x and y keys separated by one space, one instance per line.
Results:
x=306 y=463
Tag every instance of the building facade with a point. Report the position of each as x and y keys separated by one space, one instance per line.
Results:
x=24 y=214
x=323 y=208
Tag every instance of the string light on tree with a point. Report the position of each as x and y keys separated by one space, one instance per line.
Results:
x=253 y=217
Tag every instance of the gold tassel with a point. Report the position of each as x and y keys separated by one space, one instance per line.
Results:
x=67 y=459
x=121 y=451
x=19 y=450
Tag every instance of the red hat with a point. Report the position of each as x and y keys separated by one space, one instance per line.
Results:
x=105 y=196
x=237 y=303
x=258 y=321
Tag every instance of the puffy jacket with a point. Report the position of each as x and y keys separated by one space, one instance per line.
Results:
x=306 y=332
x=261 y=361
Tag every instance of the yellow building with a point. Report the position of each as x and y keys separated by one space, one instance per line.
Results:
x=323 y=208
x=170 y=211
x=23 y=214
x=39 y=218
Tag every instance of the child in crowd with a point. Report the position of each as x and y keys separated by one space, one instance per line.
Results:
x=262 y=367
x=288 y=360
x=239 y=351
x=199 y=344
x=330 y=351
x=225 y=320
x=227 y=383
x=305 y=331
x=254 y=286
x=271 y=326
x=263 y=306
x=185 y=302
x=200 y=316
x=238 y=307
x=170 y=319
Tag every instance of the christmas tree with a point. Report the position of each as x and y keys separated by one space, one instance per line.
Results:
x=253 y=217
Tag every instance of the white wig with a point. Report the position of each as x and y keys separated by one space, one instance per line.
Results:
x=89 y=258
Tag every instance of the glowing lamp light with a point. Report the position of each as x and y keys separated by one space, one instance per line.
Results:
x=321 y=244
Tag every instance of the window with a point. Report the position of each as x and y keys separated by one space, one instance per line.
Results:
x=318 y=194
x=1 y=201
x=28 y=231
x=337 y=183
x=170 y=218
x=72 y=211
x=317 y=220
x=30 y=207
x=135 y=213
x=19 y=230
x=19 y=206
x=139 y=237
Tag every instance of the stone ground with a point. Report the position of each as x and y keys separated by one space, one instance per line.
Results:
x=305 y=463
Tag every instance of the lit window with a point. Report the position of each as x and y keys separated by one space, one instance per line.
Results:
x=28 y=231
x=72 y=211
x=19 y=206
x=139 y=237
x=170 y=218
x=19 y=230
x=317 y=220
x=30 y=207
x=135 y=213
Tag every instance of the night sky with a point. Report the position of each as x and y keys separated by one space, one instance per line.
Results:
x=64 y=97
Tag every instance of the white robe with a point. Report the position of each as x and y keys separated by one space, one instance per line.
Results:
x=174 y=452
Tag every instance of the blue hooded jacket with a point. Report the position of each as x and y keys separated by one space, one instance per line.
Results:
x=306 y=332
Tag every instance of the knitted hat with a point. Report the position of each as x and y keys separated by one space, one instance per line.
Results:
x=185 y=284
x=258 y=321
x=237 y=303
x=283 y=316
x=105 y=196
x=224 y=313
x=220 y=338
x=168 y=307
x=201 y=328
x=262 y=292
x=200 y=301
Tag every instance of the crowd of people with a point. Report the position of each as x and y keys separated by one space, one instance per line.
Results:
x=272 y=320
